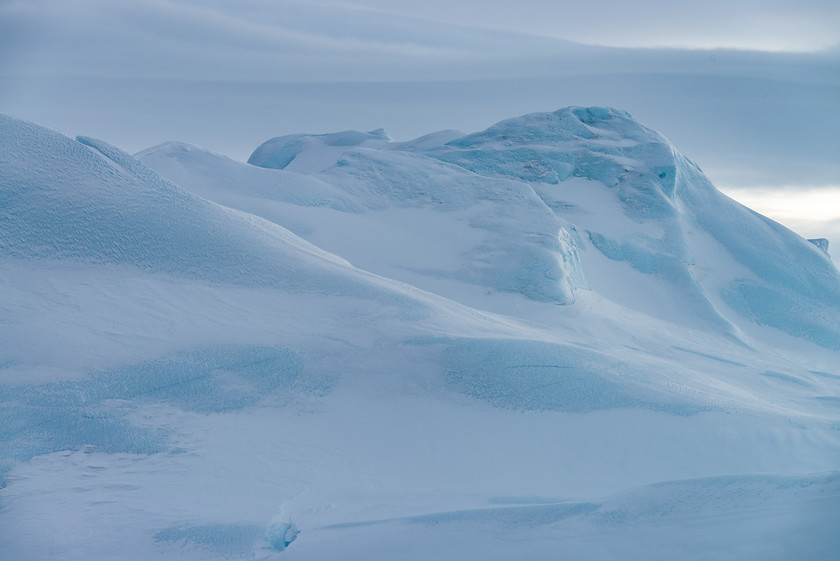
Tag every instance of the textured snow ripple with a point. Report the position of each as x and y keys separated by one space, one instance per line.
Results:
x=533 y=375
x=227 y=541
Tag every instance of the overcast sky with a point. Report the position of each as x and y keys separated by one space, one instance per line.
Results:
x=778 y=25
x=263 y=39
x=228 y=75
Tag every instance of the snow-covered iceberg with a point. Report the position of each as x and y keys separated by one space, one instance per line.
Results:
x=642 y=203
x=539 y=205
x=551 y=337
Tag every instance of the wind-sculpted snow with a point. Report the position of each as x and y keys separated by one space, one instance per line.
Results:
x=87 y=201
x=228 y=182
x=556 y=151
x=494 y=233
x=522 y=247
x=595 y=143
x=523 y=207
x=225 y=541
x=793 y=286
x=192 y=369
x=788 y=284
x=279 y=152
x=532 y=375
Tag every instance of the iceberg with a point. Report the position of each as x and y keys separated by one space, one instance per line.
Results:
x=551 y=337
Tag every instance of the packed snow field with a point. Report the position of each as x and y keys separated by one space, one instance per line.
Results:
x=550 y=339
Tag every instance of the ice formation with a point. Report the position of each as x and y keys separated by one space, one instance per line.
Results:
x=551 y=337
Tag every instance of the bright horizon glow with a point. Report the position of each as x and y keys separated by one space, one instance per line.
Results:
x=798 y=203
x=811 y=212
x=732 y=45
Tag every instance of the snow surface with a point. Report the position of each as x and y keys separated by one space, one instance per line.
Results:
x=552 y=338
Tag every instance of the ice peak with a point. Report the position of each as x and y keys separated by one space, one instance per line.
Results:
x=562 y=126
x=595 y=115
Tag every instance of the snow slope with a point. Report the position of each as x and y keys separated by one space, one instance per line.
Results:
x=85 y=200
x=452 y=225
x=791 y=287
x=555 y=338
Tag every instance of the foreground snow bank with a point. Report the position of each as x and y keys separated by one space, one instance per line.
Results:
x=733 y=518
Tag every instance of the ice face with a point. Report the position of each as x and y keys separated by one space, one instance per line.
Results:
x=281 y=533
x=821 y=243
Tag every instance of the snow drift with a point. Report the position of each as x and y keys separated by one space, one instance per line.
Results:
x=85 y=200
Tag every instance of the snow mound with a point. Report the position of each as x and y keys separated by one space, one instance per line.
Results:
x=279 y=152
x=87 y=201
x=232 y=184
x=399 y=214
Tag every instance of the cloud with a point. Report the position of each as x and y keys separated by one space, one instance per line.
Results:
x=776 y=25
x=245 y=40
x=363 y=40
